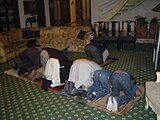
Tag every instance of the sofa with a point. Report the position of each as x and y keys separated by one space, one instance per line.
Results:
x=152 y=95
x=11 y=44
x=59 y=37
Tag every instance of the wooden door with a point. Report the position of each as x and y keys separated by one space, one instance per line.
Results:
x=60 y=12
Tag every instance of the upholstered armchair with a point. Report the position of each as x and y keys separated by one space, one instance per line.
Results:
x=153 y=96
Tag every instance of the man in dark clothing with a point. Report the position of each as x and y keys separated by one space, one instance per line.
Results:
x=34 y=60
x=55 y=53
x=30 y=60
x=53 y=76
x=63 y=61
x=96 y=52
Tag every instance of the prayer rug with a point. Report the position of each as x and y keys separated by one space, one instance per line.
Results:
x=101 y=103
x=14 y=73
x=38 y=81
x=109 y=61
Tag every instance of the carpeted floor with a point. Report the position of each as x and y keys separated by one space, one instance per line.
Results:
x=22 y=100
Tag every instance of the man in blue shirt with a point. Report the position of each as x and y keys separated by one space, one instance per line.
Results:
x=106 y=82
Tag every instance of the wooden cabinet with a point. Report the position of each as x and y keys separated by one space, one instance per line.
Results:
x=9 y=15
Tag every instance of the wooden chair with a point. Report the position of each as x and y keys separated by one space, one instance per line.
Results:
x=100 y=29
x=100 y=33
x=128 y=33
x=31 y=20
x=113 y=32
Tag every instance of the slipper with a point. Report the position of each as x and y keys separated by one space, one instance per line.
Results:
x=114 y=105
x=109 y=104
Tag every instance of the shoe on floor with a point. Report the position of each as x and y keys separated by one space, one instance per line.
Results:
x=84 y=93
x=109 y=104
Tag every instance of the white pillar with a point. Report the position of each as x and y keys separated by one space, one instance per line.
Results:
x=21 y=14
x=47 y=13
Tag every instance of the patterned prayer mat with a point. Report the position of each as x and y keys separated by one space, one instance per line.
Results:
x=109 y=61
x=15 y=74
x=101 y=103
x=38 y=81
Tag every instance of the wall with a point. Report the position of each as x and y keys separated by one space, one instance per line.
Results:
x=95 y=10
x=144 y=9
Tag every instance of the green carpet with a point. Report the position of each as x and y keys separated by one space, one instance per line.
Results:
x=22 y=100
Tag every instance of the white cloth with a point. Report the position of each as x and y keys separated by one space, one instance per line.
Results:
x=81 y=72
x=105 y=54
x=52 y=71
x=44 y=58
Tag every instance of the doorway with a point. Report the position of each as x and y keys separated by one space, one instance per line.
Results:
x=70 y=12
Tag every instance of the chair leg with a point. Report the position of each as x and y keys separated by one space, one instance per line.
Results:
x=119 y=45
x=156 y=61
x=157 y=54
x=154 y=54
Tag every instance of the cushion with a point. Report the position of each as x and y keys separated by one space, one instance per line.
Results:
x=81 y=34
x=30 y=34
